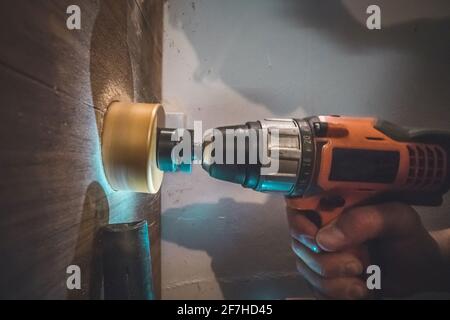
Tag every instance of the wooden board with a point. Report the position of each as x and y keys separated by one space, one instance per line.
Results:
x=56 y=84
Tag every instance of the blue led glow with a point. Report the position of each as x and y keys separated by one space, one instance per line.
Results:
x=315 y=248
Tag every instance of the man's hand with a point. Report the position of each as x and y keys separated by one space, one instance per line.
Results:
x=334 y=259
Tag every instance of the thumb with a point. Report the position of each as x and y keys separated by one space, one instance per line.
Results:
x=361 y=224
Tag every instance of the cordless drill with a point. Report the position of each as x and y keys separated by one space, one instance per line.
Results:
x=326 y=164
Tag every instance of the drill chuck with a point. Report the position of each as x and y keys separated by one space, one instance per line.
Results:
x=273 y=145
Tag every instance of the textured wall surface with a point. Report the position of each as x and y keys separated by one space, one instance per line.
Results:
x=55 y=86
x=227 y=62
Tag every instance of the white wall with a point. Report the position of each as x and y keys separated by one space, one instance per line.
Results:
x=232 y=61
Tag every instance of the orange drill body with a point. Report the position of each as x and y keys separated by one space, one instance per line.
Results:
x=355 y=161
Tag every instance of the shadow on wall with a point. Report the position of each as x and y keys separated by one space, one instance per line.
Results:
x=88 y=249
x=272 y=43
x=421 y=38
x=240 y=241
x=110 y=63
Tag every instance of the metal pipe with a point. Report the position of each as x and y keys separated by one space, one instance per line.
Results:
x=127 y=266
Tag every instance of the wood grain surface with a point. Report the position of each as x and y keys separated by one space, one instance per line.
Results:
x=55 y=86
